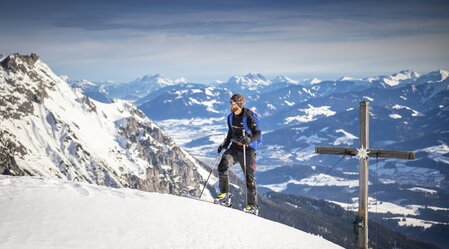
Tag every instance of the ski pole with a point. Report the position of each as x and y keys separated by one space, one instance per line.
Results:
x=244 y=173
x=210 y=172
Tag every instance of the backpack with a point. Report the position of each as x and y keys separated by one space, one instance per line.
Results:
x=254 y=144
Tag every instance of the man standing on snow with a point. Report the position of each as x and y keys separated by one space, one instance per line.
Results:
x=244 y=135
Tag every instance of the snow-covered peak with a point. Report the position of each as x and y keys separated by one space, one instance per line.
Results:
x=314 y=81
x=308 y=81
x=250 y=78
x=18 y=63
x=181 y=80
x=434 y=76
x=158 y=79
x=397 y=78
x=346 y=78
x=409 y=73
x=444 y=74
x=143 y=86
x=43 y=213
x=402 y=77
x=255 y=76
x=284 y=79
x=16 y=60
x=251 y=81
x=29 y=80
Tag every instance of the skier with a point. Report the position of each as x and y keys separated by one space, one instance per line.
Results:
x=244 y=135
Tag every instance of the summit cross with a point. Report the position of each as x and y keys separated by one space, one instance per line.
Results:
x=363 y=153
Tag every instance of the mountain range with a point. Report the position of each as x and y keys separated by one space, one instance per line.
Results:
x=409 y=111
x=78 y=130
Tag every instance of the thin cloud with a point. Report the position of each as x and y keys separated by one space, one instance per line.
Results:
x=110 y=40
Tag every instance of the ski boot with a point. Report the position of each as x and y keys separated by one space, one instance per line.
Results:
x=252 y=209
x=224 y=199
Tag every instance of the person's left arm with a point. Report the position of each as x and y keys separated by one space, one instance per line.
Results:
x=255 y=130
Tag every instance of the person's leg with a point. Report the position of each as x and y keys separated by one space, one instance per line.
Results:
x=226 y=162
x=251 y=193
x=250 y=180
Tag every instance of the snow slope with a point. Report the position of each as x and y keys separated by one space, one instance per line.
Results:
x=43 y=213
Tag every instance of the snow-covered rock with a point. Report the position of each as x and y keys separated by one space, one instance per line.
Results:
x=49 y=129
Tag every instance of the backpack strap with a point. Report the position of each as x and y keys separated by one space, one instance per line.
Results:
x=245 y=121
x=245 y=125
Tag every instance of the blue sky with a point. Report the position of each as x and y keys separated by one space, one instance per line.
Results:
x=213 y=39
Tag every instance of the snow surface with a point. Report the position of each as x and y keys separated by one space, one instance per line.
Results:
x=414 y=222
x=377 y=206
x=404 y=174
x=346 y=78
x=423 y=190
x=184 y=131
x=395 y=79
x=438 y=152
x=310 y=114
x=414 y=112
x=315 y=180
x=347 y=138
x=43 y=213
x=395 y=116
x=314 y=81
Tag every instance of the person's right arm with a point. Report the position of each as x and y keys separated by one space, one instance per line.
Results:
x=227 y=140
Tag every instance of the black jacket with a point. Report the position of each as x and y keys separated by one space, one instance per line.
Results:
x=236 y=131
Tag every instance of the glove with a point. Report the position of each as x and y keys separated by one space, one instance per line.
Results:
x=220 y=148
x=245 y=140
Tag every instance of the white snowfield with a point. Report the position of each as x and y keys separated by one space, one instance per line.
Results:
x=46 y=213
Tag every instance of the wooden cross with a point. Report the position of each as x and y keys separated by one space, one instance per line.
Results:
x=364 y=153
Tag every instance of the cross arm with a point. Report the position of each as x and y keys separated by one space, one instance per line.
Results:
x=407 y=155
x=335 y=150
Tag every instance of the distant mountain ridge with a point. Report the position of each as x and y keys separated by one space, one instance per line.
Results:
x=142 y=86
x=96 y=91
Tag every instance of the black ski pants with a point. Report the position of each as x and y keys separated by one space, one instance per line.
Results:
x=232 y=156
